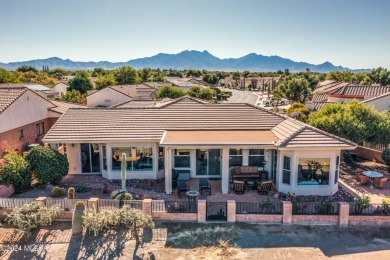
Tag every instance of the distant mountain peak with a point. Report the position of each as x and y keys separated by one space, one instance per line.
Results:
x=187 y=59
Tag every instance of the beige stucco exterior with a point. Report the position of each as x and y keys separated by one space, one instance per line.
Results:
x=60 y=88
x=106 y=97
x=28 y=108
x=380 y=103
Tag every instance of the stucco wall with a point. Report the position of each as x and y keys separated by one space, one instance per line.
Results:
x=323 y=190
x=60 y=88
x=28 y=108
x=106 y=97
x=381 y=104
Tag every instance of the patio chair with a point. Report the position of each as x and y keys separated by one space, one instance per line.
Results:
x=204 y=186
x=182 y=188
x=362 y=179
x=380 y=182
x=265 y=187
x=239 y=187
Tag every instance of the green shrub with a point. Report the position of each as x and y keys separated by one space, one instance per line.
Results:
x=57 y=191
x=15 y=171
x=359 y=204
x=386 y=156
x=124 y=196
x=48 y=165
x=81 y=188
x=80 y=203
x=31 y=216
x=386 y=206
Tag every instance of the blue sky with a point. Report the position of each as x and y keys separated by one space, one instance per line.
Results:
x=348 y=33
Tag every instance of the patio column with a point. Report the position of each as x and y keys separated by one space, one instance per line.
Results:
x=168 y=170
x=225 y=170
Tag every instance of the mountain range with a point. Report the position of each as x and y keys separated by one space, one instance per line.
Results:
x=186 y=60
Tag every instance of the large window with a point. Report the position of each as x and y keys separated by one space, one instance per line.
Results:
x=256 y=157
x=40 y=129
x=336 y=176
x=137 y=158
x=313 y=171
x=182 y=158
x=235 y=157
x=286 y=170
x=208 y=162
x=90 y=158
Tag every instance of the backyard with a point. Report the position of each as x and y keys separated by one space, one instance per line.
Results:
x=202 y=241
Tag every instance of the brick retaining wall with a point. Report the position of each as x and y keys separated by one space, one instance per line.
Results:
x=369 y=154
x=316 y=219
x=175 y=216
x=369 y=220
x=259 y=218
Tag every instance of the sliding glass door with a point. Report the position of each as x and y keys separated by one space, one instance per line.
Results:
x=90 y=158
x=208 y=162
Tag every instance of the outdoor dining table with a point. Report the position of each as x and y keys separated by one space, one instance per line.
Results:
x=372 y=175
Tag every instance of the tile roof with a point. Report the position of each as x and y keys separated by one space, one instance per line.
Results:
x=8 y=95
x=319 y=98
x=356 y=90
x=150 y=123
x=377 y=97
x=143 y=103
x=62 y=107
x=133 y=91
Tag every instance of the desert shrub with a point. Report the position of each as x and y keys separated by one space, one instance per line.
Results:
x=114 y=193
x=124 y=196
x=80 y=203
x=386 y=206
x=57 y=191
x=386 y=156
x=133 y=219
x=81 y=188
x=31 y=216
x=49 y=166
x=360 y=204
x=15 y=171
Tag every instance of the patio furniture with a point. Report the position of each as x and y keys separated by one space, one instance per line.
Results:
x=265 y=187
x=239 y=187
x=182 y=188
x=363 y=180
x=380 y=182
x=372 y=175
x=250 y=185
x=192 y=196
x=204 y=186
x=244 y=172
x=263 y=174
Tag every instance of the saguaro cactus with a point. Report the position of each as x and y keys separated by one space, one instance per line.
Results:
x=77 y=218
x=124 y=166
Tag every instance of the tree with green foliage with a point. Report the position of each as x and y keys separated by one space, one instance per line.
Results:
x=170 y=92
x=105 y=80
x=145 y=74
x=7 y=77
x=298 y=111
x=386 y=157
x=48 y=166
x=380 y=76
x=57 y=73
x=15 y=170
x=341 y=76
x=98 y=72
x=81 y=83
x=126 y=75
x=26 y=68
x=158 y=76
x=353 y=120
x=194 y=91
x=74 y=96
x=207 y=94
x=211 y=78
x=293 y=88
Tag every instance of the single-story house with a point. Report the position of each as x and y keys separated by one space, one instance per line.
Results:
x=60 y=87
x=26 y=116
x=114 y=95
x=203 y=139
x=340 y=92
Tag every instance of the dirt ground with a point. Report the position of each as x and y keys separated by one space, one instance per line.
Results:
x=200 y=241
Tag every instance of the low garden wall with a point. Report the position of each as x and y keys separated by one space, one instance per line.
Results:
x=309 y=213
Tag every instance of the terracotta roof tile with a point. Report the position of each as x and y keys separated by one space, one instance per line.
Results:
x=8 y=95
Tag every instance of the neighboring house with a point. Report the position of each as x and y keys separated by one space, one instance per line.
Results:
x=186 y=83
x=202 y=138
x=114 y=95
x=144 y=103
x=333 y=92
x=26 y=116
x=60 y=87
